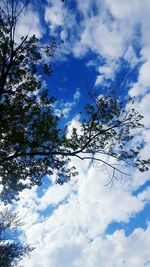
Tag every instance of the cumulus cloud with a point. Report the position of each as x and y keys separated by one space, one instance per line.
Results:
x=115 y=250
x=118 y=250
x=76 y=225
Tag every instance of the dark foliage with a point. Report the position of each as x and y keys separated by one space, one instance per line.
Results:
x=11 y=251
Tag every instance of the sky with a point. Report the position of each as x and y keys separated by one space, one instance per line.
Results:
x=84 y=223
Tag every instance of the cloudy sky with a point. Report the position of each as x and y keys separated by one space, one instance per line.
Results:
x=84 y=223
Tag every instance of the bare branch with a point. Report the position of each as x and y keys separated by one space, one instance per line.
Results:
x=103 y=161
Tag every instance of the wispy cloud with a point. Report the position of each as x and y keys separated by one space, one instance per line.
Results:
x=64 y=108
x=29 y=24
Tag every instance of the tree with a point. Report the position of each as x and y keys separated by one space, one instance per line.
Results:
x=32 y=143
x=11 y=252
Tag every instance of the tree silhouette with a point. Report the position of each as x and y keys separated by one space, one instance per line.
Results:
x=11 y=251
x=32 y=143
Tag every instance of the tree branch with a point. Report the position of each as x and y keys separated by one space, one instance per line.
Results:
x=103 y=161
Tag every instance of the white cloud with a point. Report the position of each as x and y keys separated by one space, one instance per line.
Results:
x=118 y=250
x=77 y=94
x=105 y=35
x=54 y=15
x=29 y=23
x=106 y=71
x=75 y=123
x=64 y=108
x=145 y=109
x=58 y=17
x=111 y=29
x=76 y=225
x=100 y=38
x=54 y=195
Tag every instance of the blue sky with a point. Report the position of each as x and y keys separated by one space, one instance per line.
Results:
x=84 y=223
